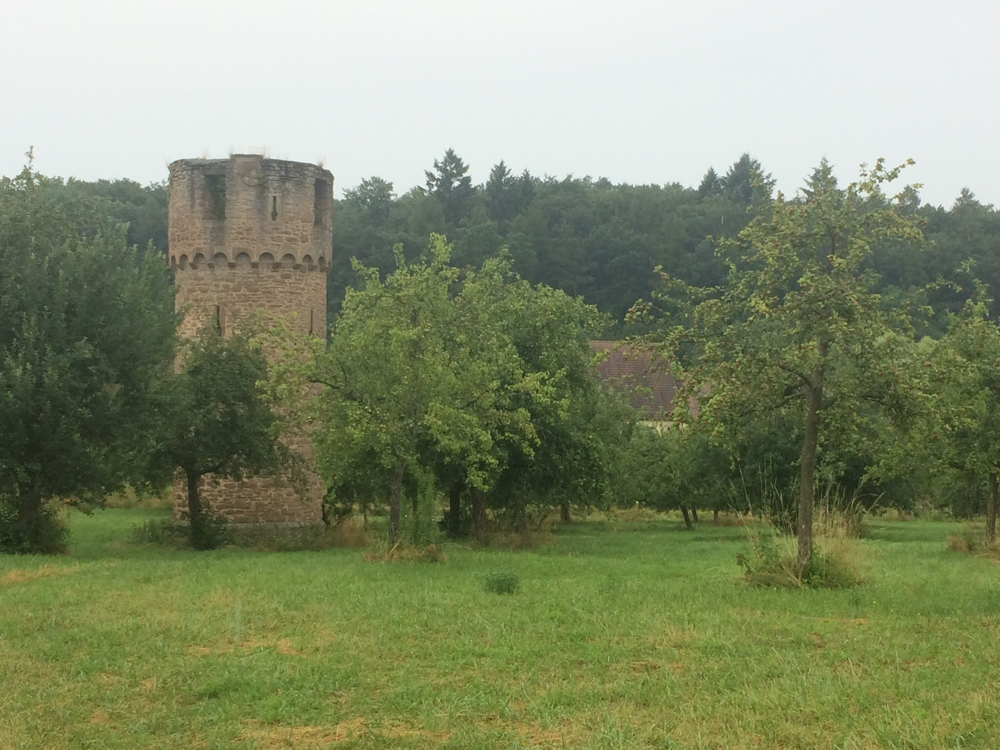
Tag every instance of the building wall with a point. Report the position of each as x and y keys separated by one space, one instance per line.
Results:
x=251 y=236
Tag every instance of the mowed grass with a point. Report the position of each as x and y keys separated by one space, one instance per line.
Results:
x=621 y=635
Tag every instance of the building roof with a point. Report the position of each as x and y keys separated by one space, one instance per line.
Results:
x=643 y=378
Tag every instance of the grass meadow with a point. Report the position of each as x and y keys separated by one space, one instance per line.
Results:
x=621 y=635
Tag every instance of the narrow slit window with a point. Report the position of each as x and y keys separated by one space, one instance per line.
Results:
x=311 y=321
x=218 y=319
x=274 y=208
x=215 y=186
x=319 y=202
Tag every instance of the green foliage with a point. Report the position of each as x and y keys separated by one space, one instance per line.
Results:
x=43 y=532
x=221 y=419
x=798 y=327
x=501 y=582
x=451 y=185
x=472 y=382
x=583 y=236
x=86 y=337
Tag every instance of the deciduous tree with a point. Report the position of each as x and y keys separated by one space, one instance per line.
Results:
x=798 y=325
x=86 y=338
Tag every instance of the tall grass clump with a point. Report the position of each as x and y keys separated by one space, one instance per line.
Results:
x=772 y=560
x=501 y=582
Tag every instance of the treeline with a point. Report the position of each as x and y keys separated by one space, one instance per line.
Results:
x=450 y=378
x=589 y=237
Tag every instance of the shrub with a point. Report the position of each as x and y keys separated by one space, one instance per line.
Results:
x=500 y=582
x=212 y=534
x=45 y=535
x=161 y=531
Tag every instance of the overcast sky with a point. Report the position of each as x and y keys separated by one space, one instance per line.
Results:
x=633 y=90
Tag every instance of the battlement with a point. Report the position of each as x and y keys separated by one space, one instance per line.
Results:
x=250 y=211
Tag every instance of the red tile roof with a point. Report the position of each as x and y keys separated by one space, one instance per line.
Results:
x=644 y=379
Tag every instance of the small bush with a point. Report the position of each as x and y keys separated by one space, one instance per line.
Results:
x=162 y=531
x=212 y=532
x=501 y=583
x=47 y=534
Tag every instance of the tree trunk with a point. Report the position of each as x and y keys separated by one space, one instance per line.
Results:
x=196 y=515
x=715 y=516
x=29 y=516
x=455 y=510
x=478 y=513
x=694 y=514
x=807 y=464
x=394 y=501
x=29 y=507
x=991 y=510
x=687 y=518
x=564 y=512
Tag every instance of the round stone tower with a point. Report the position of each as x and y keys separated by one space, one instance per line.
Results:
x=251 y=235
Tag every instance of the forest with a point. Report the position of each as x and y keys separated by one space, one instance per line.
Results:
x=589 y=237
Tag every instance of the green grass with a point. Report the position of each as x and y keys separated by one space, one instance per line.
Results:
x=620 y=636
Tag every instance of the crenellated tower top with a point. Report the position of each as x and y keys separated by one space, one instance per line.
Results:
x=248 y=211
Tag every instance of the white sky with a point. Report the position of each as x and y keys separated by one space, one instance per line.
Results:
x=633 y=90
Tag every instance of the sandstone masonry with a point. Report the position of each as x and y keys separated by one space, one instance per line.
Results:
x=251 y=235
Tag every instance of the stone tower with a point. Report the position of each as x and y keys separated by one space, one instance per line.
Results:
x=249 y=234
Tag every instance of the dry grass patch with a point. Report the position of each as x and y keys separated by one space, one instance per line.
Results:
x=729 y=519
x=281 y=645
x=26 y=575
x=349 y=533
x=273 y=738
x=403 y=552
x=636 y=514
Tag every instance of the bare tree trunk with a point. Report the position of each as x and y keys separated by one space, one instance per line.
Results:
x=807 y=464
x=394 y=500
x=564 y=512
x=694 y=514
x=478 y=513
x=687 y=518
x=991 y=510
x=29 y=510
x=715 y=516
x=196 y=514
